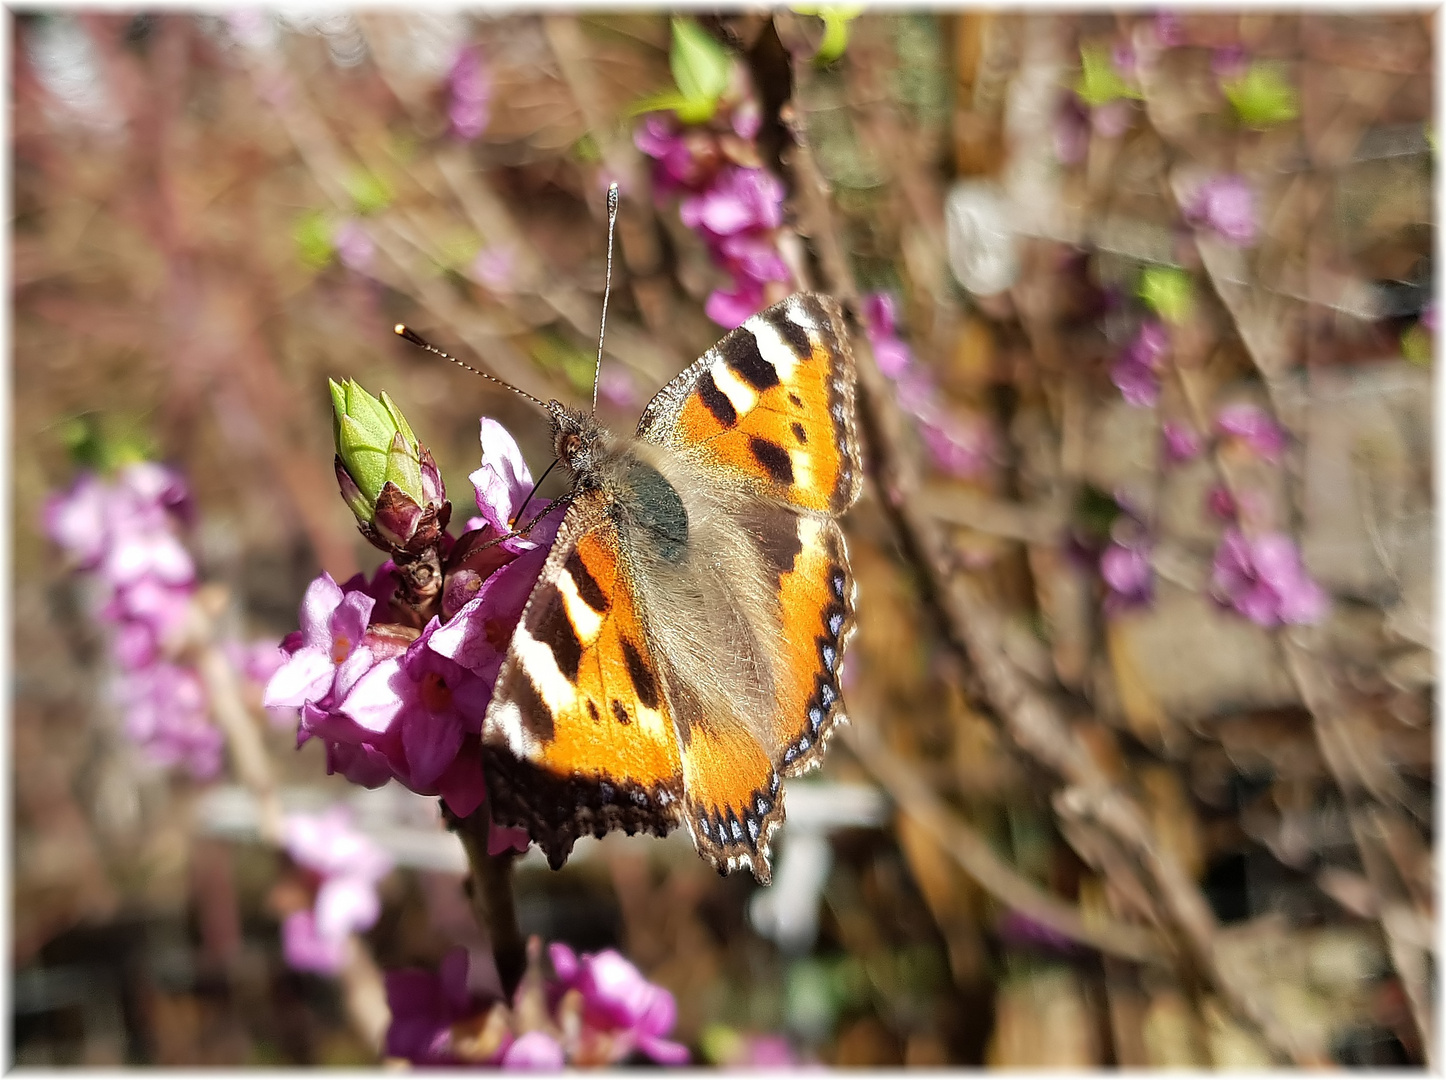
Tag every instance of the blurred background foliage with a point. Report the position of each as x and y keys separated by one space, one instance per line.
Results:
x=1064 y=831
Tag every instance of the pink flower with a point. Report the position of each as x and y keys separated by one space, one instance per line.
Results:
x=1126 y=570
x=354 y=245
x=495 y=267
x=501 y=482
x=1253 y=426
x=619 y=1002
x=349 y=865
x=424 y=1007
x=1135 y=373
x=534 y=1050
x=1264 y=579
x=1182 y=443
x=738 y=199
x=469 y=88
x=333 y=625
x=305 y=949
x=1226 y=206
x=168 y=715
x=731 y=308
x=957 y=448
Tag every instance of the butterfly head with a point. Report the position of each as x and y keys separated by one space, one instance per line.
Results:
x=576 y=437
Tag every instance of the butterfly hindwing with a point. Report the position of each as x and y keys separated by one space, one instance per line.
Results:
x=580 y=732
x=816 y=591
x=773 y=401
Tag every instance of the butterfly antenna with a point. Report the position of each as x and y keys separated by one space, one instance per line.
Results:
x=406 y=333
x=518 y=516
x=607 y=288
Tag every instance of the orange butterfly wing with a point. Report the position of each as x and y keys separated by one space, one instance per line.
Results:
x=773 y=401
x=579 y=731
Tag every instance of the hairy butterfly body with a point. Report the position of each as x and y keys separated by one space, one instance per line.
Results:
x=680 y=652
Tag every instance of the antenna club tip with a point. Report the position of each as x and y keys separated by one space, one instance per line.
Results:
x=400 y=329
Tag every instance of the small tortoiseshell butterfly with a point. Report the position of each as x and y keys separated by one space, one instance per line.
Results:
x=680 y=652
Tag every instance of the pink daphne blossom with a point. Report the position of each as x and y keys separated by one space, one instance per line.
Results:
x=122 y=532
x=348 y=865
x=469 y=87
x=1226 y=206
x=168 y=715
x=1126 y=570
x=1264 y=579
x=1253 y=426
x=621 y=1010
x=390 y=703
x=1136 y=371
x=1181 y=441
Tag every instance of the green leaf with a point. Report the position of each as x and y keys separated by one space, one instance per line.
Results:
x=1263 y=96
x=836 y=19
x=1416 y=346
x=700 y=65
x=1099 y=83
x=370 y=194
x=1169 y=292
x=312 y=234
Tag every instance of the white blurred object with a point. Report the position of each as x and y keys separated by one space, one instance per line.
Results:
x=788 y=911
x=979 y=237
x=65 y=62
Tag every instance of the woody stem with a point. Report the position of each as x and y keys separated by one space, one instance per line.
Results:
x=489 y=887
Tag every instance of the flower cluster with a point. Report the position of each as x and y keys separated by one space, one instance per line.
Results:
x=122 y=533
x=343 y=867
x=728 y=198
x=1262 y=578
x=597 y=1010
x=958 y=447
x=390 y=701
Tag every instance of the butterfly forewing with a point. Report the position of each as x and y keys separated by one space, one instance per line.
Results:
x=773 y=401
x=580 y=734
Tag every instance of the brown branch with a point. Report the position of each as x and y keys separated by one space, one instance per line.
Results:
x=489 y=888
x=977 y=858
x=975 y=627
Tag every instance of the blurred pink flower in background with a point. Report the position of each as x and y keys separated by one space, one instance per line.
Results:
x=1136 y=373
x=1226 y=206
x=961 y=445
x=1126 y=570
x=1253 y=426
x=348 y=865
x=1181 y=442
x=1264 y=579
x=469 y=94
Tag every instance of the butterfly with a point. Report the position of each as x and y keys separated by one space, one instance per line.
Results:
x=679 y=655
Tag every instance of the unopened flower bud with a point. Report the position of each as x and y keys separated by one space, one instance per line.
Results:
x=388 y=479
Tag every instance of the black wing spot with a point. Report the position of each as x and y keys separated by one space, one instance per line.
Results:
x=644 y=684
x=592 y=710
x=744 y=358
x=587 y=586
x=796 y=336
x=799 y=433
x=715 y=401
x=773 y=458
x=536 y=716
x=554 y=629
x=796 y=400
x=620 y=713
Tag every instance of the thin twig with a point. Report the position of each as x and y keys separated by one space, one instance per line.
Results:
x=977 y=858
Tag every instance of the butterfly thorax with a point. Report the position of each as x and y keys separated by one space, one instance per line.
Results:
x=646 y=507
